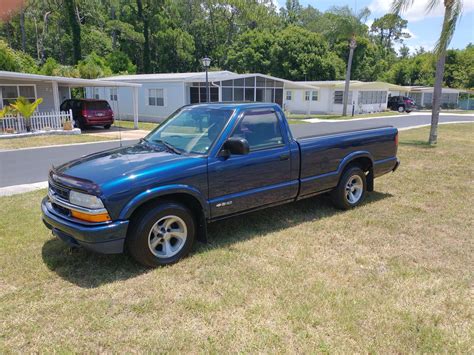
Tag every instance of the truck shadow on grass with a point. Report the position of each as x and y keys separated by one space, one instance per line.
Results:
x=89 y=270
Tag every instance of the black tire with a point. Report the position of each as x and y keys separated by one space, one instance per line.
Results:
x=340 y=195
x=408 y=111
x=81 y=125
x=401 y=109
x=140 y=232
x=107 y=126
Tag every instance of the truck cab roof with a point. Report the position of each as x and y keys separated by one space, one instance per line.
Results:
x=237 y=105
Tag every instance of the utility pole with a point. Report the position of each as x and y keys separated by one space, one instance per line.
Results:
x=352 y=46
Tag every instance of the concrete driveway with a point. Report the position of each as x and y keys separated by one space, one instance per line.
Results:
x=117 y=132
x=26 y=166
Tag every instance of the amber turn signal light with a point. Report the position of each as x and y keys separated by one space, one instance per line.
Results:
x=95 y=218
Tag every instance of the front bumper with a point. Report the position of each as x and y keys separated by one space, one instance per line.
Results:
x=105 y=238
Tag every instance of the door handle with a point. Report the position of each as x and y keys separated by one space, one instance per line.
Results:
x=284 y=156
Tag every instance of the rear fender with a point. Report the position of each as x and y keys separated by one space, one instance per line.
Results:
x=353 y=157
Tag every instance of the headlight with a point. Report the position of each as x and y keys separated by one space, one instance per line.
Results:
x=85 y=200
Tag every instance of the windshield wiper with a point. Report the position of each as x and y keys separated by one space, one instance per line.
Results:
x=167 y=145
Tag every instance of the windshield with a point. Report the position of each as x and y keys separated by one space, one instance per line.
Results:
x=192 y=129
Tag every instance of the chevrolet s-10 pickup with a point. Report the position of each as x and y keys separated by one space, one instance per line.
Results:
x=204 y=163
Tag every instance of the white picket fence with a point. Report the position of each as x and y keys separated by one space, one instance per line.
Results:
x=40 y=121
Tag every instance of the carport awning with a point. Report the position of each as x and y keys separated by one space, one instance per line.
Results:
x=373 y=85
x=64 y=81
x=57 y=81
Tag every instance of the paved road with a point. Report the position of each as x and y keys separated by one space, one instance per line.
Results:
x=321 y=128
x=25 y=166
x=31 y=165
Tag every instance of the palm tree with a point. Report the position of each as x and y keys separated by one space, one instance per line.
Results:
x=452 y=13
x=26 y=109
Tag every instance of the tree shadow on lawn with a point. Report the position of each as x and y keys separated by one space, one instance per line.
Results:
x=89 y=270
x=417 y=143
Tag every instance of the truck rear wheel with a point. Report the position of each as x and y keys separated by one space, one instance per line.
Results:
x=401 y=109
x=351 y=190
x=161 y=235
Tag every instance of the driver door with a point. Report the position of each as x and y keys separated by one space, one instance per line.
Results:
x=262 y=177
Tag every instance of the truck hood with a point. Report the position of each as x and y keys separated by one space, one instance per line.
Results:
x=119 y=163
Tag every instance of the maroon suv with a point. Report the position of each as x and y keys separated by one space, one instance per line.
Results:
x=89 y=112
x=401 y=104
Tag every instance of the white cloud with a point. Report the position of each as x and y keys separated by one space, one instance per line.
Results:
x=417 y=11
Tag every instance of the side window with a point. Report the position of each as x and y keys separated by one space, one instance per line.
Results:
x=262 y=130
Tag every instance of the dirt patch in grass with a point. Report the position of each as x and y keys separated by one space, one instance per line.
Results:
x=395 y=275
x=41 y=141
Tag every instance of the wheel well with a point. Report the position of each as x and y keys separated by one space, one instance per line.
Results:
x=366 y=165
x=186 y=200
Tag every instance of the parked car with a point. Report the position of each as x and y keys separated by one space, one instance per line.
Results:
x=401 y=104
x=207 y=162
x=89 y=112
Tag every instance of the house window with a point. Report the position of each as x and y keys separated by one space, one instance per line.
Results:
x=156 y=97
x=96 y=93
x=288 y=95
x=372 y=97
x=9 y=93
x=313 y=95
x=113 y=94
x=339 y=94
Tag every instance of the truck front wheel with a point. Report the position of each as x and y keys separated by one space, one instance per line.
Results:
x=161 y=235
x=351 y=190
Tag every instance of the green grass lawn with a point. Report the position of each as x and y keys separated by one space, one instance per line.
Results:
x=340 y=117
x=296 y=121
x=40 y=141
x=392 y=276
x=147 y=126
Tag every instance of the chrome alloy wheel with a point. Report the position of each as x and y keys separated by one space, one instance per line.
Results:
x=167 y=236
x=354 y=189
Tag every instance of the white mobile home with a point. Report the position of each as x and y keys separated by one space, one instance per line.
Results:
x=423 y=96
x=327 y=97
x=162 y=94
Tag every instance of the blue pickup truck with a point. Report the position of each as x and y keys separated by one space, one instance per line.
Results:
x=204 y=163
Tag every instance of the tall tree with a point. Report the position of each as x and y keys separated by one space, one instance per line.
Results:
x=390 y=28
x=291 y=13
x=72 y=14
x=452 y=13
x=144 y=18
x=404 y=51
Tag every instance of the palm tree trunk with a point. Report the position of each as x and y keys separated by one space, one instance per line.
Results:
x=437 y=97
x=433 y=139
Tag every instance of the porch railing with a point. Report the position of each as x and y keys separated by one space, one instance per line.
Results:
x=40 y=121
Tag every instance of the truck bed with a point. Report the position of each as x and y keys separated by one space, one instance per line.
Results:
x=308 y=130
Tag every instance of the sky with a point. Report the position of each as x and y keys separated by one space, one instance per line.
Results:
x=424 y=28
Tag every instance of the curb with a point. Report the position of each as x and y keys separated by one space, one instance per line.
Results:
x=19 y=189
x=68 y=145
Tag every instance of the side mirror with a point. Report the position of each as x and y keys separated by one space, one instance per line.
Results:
x=236 y=146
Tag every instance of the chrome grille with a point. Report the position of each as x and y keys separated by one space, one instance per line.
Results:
x=60 y=191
